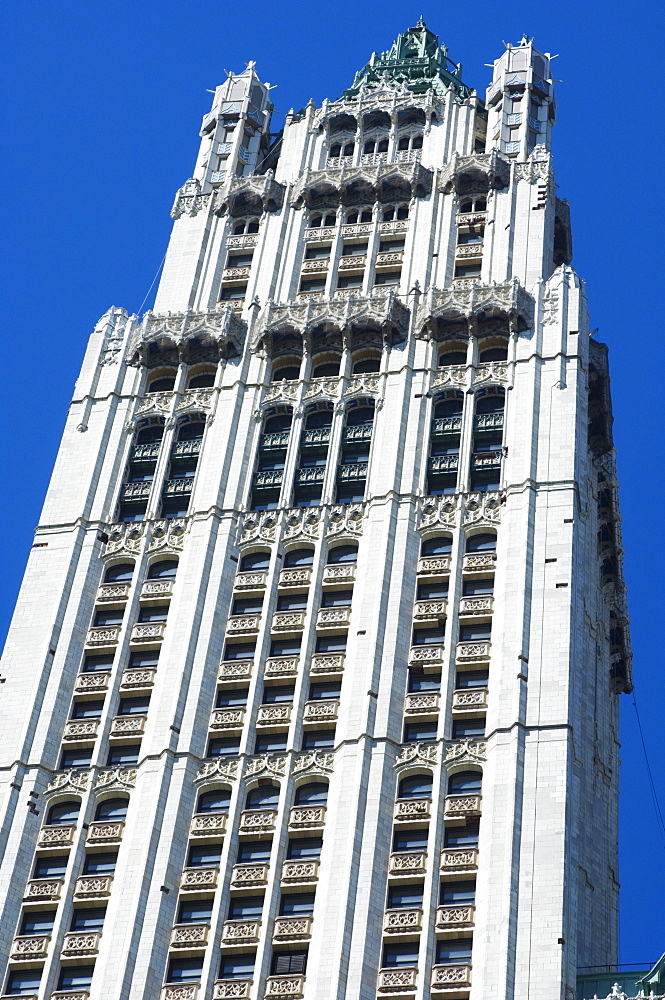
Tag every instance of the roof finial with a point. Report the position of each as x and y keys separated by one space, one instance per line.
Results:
x=421 y=23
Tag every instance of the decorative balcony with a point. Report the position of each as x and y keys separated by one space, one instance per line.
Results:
x=43 y=890
x=471 y=218
x=332 y=617
x=479 y=562
x=288 y=621
x=237 y=989
x=307 y=817
x=236 y=273
x=476 y=607
x=95 y=681
x=113 y=593
x=180 y=991
x=430 y=611
x=79 y=944
x=269 y=479
x=227 y=718
x=427 y=655
x=137 y=678
x=258 y=821
x=29 y=947
x=103 y=635
x=101 y=832
x=357 y=229
x=270 y=716
x=481 y=461
x=251 y=581
x=327 y=663
x=461 y=807
x=211 y=825
x=352 y=472
x=285 y=986
x=248 y=876
x=422 y=704
x=408 y=863
x=199 y=879
x=152 y=589
x=459 y=860
x=339 y=573
x=93 y=887
x=83 y=729
x=315 y=265
x=469 y=700
x=281 y=666
x=337 y=162
x=358 y=434
x=148 y=452
x=321 y=234
x=472 y=651
x=190 y=936
x=300 y=872
x=439 y=464
x=403 y=921
x=181 y=487
x=453 y=917
x=241 y=931
x=128 y=725
x=275 y=441
x=70 y=995
x=443 y=426
x=136 y=491
x=246 y=240
x=397 y=980
x=315 y=437
x=56 y=836
x=235 y=670
x=243 y=624
x=488 y=422
x=310 y=475
x=434 y=566
x=352 y=262
x=292 y=929
x=466 y=251
x=320 y=711
x=187 y=449
x=450 y=978
x=412 y=810
x=295 y=577
x=148 y=632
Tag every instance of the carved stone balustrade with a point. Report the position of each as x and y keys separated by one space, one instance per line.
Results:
x=397 y=980
x=471 y=218
x=102 y=832
x=507 y=301
x=96 y=681
x=332 y=617
x=307 y=817
x=244 y=876
x=243 y=624
x=235 y=670
x=496 y=371
x=352 y=262
x=427 y=655
x=232 y=989
x=396 y=226
x=235 y=273
x=269 y=716
x=447 y=978
x=246 y=240
x=476 y=607
x=70 y=995
x=486 y=460
x=93 y=887
x=190 y=936
x=430 y=611
x=479 y=562
x=320 y=711
x=295 y=577
x=29 y=947
x=327 y=663
x=136 y=491
x=153 y=589
x=464 y=251
x=412 y=810
x=113 y=593
x=408 y=863
x=292 y=929
x=468 y=652
x=318 y=264
x=452 y=917
x=137 y=678
x=461 y=807
x=250 y=581
x=357 y=229
x=281 y=666
x=241 y=931
x=389 y=259
x=403 y=921
x=275 y=440
x=128 y=725
x=148 y=632
x=324 y=233
x=488 y=422
x=300 y=872
x=285 y=986
x=459 y=859
x=422 y=703
x=434 y=566
x=227 y=718
x=310 y=294
x=268 y=479
x=257 y=820
x=339 y=573
x=56 y=836
x=211 y=825
x=103 y=635
x=443 y=463
x=78 y=944
x=469 y=700
x=80 y=729
x=41 y=890
x=288 y=621
x=180 y=991
x=199 y=879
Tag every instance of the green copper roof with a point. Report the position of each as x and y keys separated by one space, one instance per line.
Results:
x=415 y=60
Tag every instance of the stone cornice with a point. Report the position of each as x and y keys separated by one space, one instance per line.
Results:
x=220 y=326
x=351 y=185
x=481 y=171
x=453 y=305
x=249 y=196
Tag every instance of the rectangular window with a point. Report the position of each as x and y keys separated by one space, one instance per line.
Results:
x=331 y=643
x=77 y=977
x=387 y=277
x=415 y=731
x=75 y=758
x=232 y=293
x=134 y=706
x=297 y=904
x=239 y=259
x=185 y=970
x=484 y=585
x=285 y=647
x=102 y=661
x=289 y=963
x=304 y=847
x=313 y=285
x=350 y=281
x=323 y=739
x=277 y=695
x=463 y=836
x=197 y=911
x=144 y=658
x=480 y=632
x=471 y=679
x=337 y=599
x=254 y=851
x=124 y=755
x=247 y=606
x=237 y=966
x=391 y=246
x=88 y=920
x=87 y=709
x=460 y=893
x=109 y=616
x=270 y=743
x=240 y=651
x=317 y=253
x=231 y=698
x=468 y=728
x=400 y=954
x=324 y=690
x=424 y=682
x=467 y=270
x=292 y=602
x=51 y=867
x=153 y=613
x=224 y=746
x=246 y=908
x=204 y=856
x=405 y=897
x=354 y=249
x=458 y=950
x=410 y=840
x=429 y=636
x=432 y=591
x=23 y=982
x=38 y=922
x=100 y=864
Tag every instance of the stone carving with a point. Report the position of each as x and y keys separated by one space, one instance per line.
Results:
x=402 y=921
x=168 y=534
x=75 y=780
x=189 y=200
x=257 y=525
x=204 y=824
x=157 y=402
x=313 y=761
x=456 y=375
x=93 y=886
x=186 y=992
x=302 y=521
x=79 y=944
x=462 y=805
x=270 y=715
x=220 y=329
x=408 y=863
x=346 y=519
x=439 y=510
x=451 y=975
x=300 y=871
x=324 y=387
x=85 y=729
x=137 y=678
x=473 y=651
x=257 y=820
x=125 y=538
x=199 y=878
x=482 y=171
x=94 y=681
x=454 y=916
x=327 y=663
x=409 y=809
x=232 y=989
x=459 y=304
x=292 y=928
x=104 y=832
x=249 y=875
x=113 y=326
x=537 y=168
x=218 y=767
x=307 y=817
x=267 y=763
x=25 y=947
x=190 y=935
x=382 y=182
x=459 y=859
x=394 y=980
x=44 y=888
x=251 y=195
x=419 y=753
x=363 y=385
x=481 y=561
x=56 y=836
x=495 y=371
x=482 y=507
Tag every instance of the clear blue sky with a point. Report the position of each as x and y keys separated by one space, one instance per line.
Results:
x=106 y=101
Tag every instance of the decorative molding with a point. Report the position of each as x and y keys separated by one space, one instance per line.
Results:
x=114 y=326
x=118 y=777
x=346 y=519
x=418 y=753
x=508 y=300
x=302 y=521
x=220 y=767
x=220 y=330
x=439 y=510
x=480 y=171
x=314 y=761
x=74 y=780
x=471 y=751
x=482 y=508
x=257 y=525
x=189 y=200
x=252 y=195
x=266 y=764
x=168 y=534
x=350 y=185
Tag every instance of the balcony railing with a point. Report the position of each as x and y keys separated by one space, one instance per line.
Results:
x=469 y=699
x=464 y=251
x=236 y=273
x=488 y=421
x=96 y=681
x=187 y=449
x=403 y=921
x=408 y=863
x=442 y=426
x=152 y=589
x=270 y=716
x=148 y=452
x=292 y=929
x=323 y=233
x=316 y=264
x=430 y=611
x=56 y=836
x=292 y=987
x=459 y=859
x=428 y=654
x=181 y=991
x=29 y=946
x=84 y=729
x=358 y=433
x=434 y=566
x=295 y=577
x=310 y=476
x=476 y=607
x=479 y=562
x=426 y=703
x=70 y=995
x=199 y=879
x=113 y=593
x=352 y=262
x=443 y=463
x=178 y=487
x=227 y=718
x=357 y=229
x=79 y=944
x=257 y=820
x=269 y=479
x=136 y=491
x=190 y=936
x=389 y=258
x=467 y=651
x=462 y=806
x=297 y=872
x=41 y=890
x=244 y=876
x=373 y=159
x=471 y=218
x=332 y=617
x=241 y=931
x=235 y=670
x=275 y=440
x=139 y=677
x=232 y=989
x=339 y=573
x=397 y=980
x=148 y=632
x=93 y=887
x=307 y=817
x=408 y=810
x=327 y=663
x=315 y=436
x=102 y=832
x=288 y=621
x=451 y=917
x=128 y=725
x=243 y=624
x=208 y=825
x=281 y=666
x=352 y=471
x=483 y=460
x=335 y=162
x=396 y=226
x=447 y=978
x=103 y=635
x=251 y=581
x=320 y=711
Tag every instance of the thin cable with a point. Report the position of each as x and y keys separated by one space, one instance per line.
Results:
x=652 y=784
x=151 y=286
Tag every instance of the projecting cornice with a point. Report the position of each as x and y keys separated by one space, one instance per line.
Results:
x=442 y=306
x=355 y=185
x=220 y=329
x=479 y=172
x=189 y=200
x=387 y=97
x=249 y=196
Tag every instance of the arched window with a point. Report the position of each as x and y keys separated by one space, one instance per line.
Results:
x=120 y=573
x=162 y=383
x=465 y=783
x=214 y=802
x=262 y=798
x=448 y=408
x=151 y=434
x=280 y=422
x=192 y=431
x=165 y=569
x=491 y=403
x=477 y=204
x=299 y=557
x=318 y=418
x=440 y=545
x=494 y=354
x=481 y=543
x=289 y=371
x=328 y=369
x=204 y=380
x=454 y=356
x=112 y=809
x=254 y=561
x=253 y=226
x=63 y=813
x=367 y=365
x=417 y=786
x=343 y=554
x=313 y=794
x=360 y=415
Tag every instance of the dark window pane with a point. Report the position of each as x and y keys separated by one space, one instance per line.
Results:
x=144 y=658
x=231 y=697
x=481 y=543
x=417 y=786
x=78 y=977
x=458 y=950
x=63 y=814
x=400 y=955
x=324 y=739
x=279 y=694
x=485 y=585
x=240 y=651
x=237 y=966
x=270 y=743
x=324 y=689
x=87 y=709
x=100 y=864
x=216 y=801
x=224 y=746
x=185 y=970
x=154 y=613
x=245 y=907
x=164 y=569
x=247 y=606
x=112 y=809
x=121 y=572
x=331 y=643
x=292 y=602
x=432 y=591
x=299 y=557
x=204 y=855
x=457 y=892
x=336 y=599
x=124 y=755
x=462 y=836
x=471 y=678
x=255 y=850
x=301 y=903
x=465 y=783
x=419 y=731
x=424 y=682
x=285 y=647
x=343 y=554
x=197 y=911
x=401 y=897
x=481 y=632
x=262 y=798
x=109 y=616
x=38 y=922
x=103 y=661
x=463 y=728
x=290 y=963
x=305 y=847
x=439 y=546
x=75 y=758
x=134 y=706
x=24 y=981
x=410 y=840
x=89 y=919
x=314 y=793
x=51 y=866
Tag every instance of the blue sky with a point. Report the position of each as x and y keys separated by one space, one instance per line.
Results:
x=105 y=103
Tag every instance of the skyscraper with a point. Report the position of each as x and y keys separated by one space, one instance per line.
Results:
x=312 y=686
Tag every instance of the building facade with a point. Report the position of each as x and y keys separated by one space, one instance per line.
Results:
x=311 y=690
